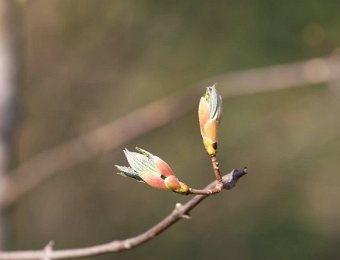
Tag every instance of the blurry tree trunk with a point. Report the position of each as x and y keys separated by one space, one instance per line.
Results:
x=9 y=78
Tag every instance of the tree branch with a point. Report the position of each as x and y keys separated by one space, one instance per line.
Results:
x=180 y=212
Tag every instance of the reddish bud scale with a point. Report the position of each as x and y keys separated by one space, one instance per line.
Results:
x=172 y=183
x=203 y=114
x=163 y=167
x=210 y=130
x=153 y=180
x=208 y=127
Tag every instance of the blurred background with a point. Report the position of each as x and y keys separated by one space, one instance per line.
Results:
x=88 y=63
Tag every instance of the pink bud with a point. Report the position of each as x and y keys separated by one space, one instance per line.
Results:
x=152 y=170
x=172 y=183
x=163 y=167
x=210 y=130
x=203 y=113
x=209 y=115
x=153 y=180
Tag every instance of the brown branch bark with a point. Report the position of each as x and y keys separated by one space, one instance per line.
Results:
x=157 y=114
x=180 y=212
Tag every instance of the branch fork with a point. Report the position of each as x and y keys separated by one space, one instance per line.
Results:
x=152 y=170
x=181 y=211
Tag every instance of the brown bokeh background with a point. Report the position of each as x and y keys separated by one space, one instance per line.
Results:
x=86 y=63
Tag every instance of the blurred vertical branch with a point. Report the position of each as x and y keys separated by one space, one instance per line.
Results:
x=9 y=80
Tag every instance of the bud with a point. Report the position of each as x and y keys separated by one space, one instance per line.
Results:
x=152 y=170
x=209 y=115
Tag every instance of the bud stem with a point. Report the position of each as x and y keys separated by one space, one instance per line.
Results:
x=216 y=169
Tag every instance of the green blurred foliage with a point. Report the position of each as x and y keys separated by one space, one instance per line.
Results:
x=89 y=62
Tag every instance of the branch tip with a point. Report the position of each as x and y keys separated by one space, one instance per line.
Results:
x=48 y=250
x=50 y=245
x=231 y=178
x=186 y=216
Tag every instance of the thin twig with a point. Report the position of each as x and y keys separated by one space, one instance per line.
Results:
x=180 y=212
x=157 y=114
